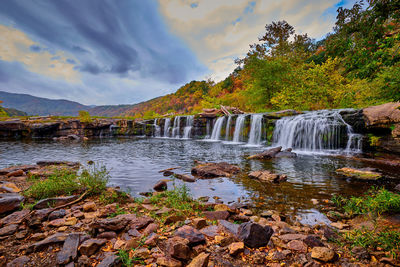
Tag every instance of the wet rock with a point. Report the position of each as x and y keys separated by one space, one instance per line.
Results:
x=193 y=235
x=297 y=245
x=177 y=247
x=90 y=246
x=168 y=262
x=267 y=176
x=200 y=260
x=213 y=170
x=174 y=219
x=8 y=230
x=185 y=178
x=69 y=250
x=160 y=186
x=89 y=206
x=361 y=174
x=56 y=238
x=15 y=218
x=54 y=202
x=110 y=261
x=236 y=248
x=19 y=262
x=360 y=253
x=267 y=154
x=199 y=223
x=323 y=254
x=313 y=241
x=10 y=202
x=57 y=214
x=286 y=154
x=216 y=215
x=254 y=235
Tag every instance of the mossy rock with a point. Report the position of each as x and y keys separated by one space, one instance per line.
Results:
x=361 y=174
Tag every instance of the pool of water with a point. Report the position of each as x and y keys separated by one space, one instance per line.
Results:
x=134 y=165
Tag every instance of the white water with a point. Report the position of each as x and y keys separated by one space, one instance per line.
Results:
x=228 y=128
x=177 y=127
x=255 y=129
x=188 y=128
x=157 y=129
x=167 y=127
x=319 y=131
x=238 y=134
x=216 y=132
x=208 y=130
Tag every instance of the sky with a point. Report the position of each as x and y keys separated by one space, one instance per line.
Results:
x=101 y=52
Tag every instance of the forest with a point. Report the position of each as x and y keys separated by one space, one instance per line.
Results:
x=353 y=66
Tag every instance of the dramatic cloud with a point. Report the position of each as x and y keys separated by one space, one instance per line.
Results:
x=127 y=51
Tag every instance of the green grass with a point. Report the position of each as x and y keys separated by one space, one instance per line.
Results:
x=117 y=212
x=66 y=182
x=387 y=240
x=375 y=202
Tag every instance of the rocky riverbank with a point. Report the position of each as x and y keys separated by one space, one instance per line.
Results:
x=166 y=228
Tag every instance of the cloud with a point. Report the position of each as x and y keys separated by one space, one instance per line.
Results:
x=97 y=40
x=220 y=31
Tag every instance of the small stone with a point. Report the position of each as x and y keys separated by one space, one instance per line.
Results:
x=397 y=188
x=174 y=219
x=339 y=225
x=22 y=234
x=229 y=227
x=151 y=228
x=221 y=207
x=177 y=247
x=89 y=206
x=191 y=234
x=109 y=261
x=57 y=214
x=107 y=235
x=119 y=244
x=19 y=262
x=236 y=248
x=210 y=231
x=200 y=261
x=163 y=210
x=160 y=186
x=152 y=240
x=90 y=246
x=7 y=187
x=199 y=223
x=267 y=214
x=10 y=202
x=216 y=215
x=323 y=254
x=141 y=253
x=8 y=230
x=297 y=245
x=360 y=253
x=71 y=221
x=168 y=262
x=16 y=173
x=15 y=218
x=313 y=241
x=254 y=235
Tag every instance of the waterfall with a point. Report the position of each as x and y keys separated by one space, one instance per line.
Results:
x=238 y=133
x=177 y=127
x=188 y=128
x=157 y=129
x=207 y=130
x=216 y=132
x=255 y=129
x=166 y=127
x=228 y=128
x=316 y=131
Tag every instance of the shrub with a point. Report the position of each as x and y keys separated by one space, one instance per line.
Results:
x=94 y=179
x=84 y=116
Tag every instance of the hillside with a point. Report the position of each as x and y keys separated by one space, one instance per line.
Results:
x=40 y=106
x=14 y=112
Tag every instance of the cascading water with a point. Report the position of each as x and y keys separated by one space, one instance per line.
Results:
x=323 y=130
x=238 y=133
x=207 y=130
x=188 y=128
x=255 y=129
x=216 y=132
x=176 y=128
x=167 y=127
x=157 y=129
x=228 y=128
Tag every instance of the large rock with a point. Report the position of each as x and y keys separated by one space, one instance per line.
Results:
x=10 y=202
x=193 y=235
x=382 y=115
x=267 y=176
x=69 y=251
x=361 y=174
x=212 y=170
x=254 y=235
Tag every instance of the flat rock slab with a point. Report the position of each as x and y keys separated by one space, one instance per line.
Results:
x=361 y=174
x=69 y=251
x=212 y=170
x=16 y=217
x=10 y=202
x=56 y=238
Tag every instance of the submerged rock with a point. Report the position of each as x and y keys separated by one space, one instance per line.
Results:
x=267 y=176
x=275 y=152
x=160 y=186
x=362 y=174
x=213 y=170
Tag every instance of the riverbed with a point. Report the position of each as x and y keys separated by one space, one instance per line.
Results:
x=134 y=165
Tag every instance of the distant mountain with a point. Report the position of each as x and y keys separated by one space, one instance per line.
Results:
x=14 y=112
x=111 y=110
x=40 y=106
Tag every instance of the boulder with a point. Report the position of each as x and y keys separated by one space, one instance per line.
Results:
x=193 y=235
x=10 y=202
x=382 y=115
x=267 y=176
x=160 y=186
x=213 y=170
x=323 y=254
x=200 y=260
x=361 y=174
x=254 y=235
